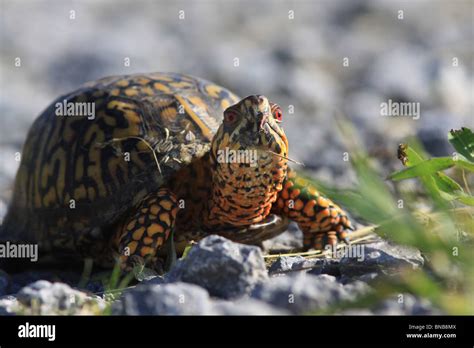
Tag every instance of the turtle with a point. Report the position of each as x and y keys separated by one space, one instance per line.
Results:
x=130 y=169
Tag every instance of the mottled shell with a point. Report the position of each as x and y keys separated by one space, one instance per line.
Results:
x=78 y=173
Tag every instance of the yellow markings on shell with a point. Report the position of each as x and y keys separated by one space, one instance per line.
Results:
x=45 y=172
x=147 y=90
x=169 y=113
x=213 y=90
x=50 y=141
x=182 y=84
x=142 y=147
x=93 y=129
x=225 y=104
x=123 y=83
x=131 y=92
x=143 y=80
x=164 y=102
x=196 y=119
x=161 y=87
x=130 y=115
x=49 y=197
x=160 y=76
x=94 y=170
x=113 y=163
x=115 y=92
x=36 y=179
x=60 y=156
x=80 y=192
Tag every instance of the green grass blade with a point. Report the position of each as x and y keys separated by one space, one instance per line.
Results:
x=463 y=142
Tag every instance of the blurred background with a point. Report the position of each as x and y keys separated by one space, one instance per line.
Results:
x=294 y=52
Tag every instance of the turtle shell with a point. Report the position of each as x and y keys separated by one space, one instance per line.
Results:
x=96 y=152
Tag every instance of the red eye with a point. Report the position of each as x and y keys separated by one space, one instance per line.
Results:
x=230 y=116
x=276 y=111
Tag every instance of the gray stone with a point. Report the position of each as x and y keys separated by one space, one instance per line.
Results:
x=166 y=299
x=157 y=280
x=292 y=239
x=226 y=269
x=382 y=257
x=316 y=266
x=356 y=311
x=325 y=266
x=246 y=306
x=303 y=293
x=366 y=278
x=286 y=264
x=8 y=304
x=406 y=304
x=43 y=297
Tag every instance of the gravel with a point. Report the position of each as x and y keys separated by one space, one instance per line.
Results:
x=46 y=298
x=167 y=299
x=224 y=268
x=382 y=257
x=303 y=293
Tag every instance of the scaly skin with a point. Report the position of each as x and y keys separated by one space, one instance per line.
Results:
x=322 y=221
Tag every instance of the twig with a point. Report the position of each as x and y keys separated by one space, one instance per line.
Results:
x=362 y=233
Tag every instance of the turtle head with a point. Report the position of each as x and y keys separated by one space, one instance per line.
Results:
x=249 y=155
x=253 y=126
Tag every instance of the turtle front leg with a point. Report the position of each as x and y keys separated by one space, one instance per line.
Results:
x=146 y=230
x=322 y=221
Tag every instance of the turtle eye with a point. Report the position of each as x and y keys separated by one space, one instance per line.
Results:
x=230 y=116
x=276 y=112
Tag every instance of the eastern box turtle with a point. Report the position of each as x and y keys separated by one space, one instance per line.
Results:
x=113 y=169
